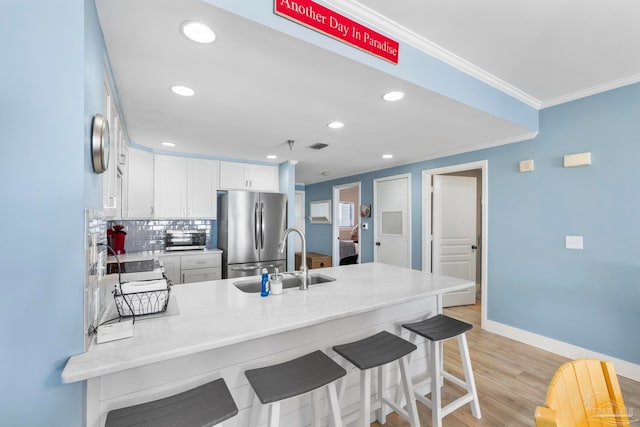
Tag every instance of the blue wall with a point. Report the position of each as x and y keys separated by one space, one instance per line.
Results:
x=588 y=298
x=47 y=183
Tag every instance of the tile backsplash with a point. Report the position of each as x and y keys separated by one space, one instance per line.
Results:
x=148 y=235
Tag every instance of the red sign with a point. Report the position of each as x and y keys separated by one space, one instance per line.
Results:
x=326 y=21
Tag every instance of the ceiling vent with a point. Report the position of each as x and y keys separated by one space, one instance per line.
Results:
x=318 y=146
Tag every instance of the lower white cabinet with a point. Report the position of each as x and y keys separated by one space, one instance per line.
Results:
x=201 y=275
x=172 y=268
x=193 y=267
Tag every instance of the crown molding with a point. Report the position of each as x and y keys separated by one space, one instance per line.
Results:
x=392 y=28
x=440 y=155
x=615 y=84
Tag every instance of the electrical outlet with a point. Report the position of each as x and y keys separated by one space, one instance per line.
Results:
x=573 y=242
x=96 y=305
x=93 y=251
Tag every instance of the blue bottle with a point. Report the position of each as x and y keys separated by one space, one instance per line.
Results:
x=265 y=283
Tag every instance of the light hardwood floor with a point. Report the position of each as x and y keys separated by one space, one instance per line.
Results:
x=511 y=379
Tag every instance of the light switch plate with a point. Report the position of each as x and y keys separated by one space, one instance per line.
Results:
x=573 y=242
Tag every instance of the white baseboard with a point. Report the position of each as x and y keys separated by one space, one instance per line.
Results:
x=623 y=367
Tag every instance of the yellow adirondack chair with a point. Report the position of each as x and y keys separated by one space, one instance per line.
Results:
x=583 y=392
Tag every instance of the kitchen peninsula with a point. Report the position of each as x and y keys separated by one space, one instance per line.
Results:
x=220 y=331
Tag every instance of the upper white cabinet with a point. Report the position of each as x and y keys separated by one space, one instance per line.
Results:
x=202 y=185
x=110 y=200
x=137 y=195
x=245 y=176
x=185 y=188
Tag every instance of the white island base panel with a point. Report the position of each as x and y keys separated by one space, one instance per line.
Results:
x=166 y=378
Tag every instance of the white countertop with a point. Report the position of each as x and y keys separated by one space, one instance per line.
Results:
x=137 y=256
x=216 y=314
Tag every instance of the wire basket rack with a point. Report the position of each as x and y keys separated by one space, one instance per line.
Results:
x=142 y=303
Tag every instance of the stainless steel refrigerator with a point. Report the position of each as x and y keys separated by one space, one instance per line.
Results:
x=249 y=228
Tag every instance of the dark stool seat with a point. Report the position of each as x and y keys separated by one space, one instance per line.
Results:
x=436 y=329
x=305 y=374
x=295 y=377
x=376 y=351
x=203 y=406
x=439 y=327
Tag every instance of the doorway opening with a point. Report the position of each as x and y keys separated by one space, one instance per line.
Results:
x=346 y=224
x=454 y=253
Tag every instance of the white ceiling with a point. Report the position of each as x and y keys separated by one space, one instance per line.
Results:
x=257 y=88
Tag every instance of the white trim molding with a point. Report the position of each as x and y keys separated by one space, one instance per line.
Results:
x=392 y=28
x=592 y=91
x=623 y=367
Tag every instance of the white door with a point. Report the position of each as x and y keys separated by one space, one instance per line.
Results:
x=454 y=233
x=392 y=231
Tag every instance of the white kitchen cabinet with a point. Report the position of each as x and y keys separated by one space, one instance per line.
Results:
x=185 y=188
x=170 y=187
x=172 y=268
x=192 y=267
x=201 y=275
x=138 y=184
x=245 y=176
x=110 y=201
x=200 y=268
x=202 y=184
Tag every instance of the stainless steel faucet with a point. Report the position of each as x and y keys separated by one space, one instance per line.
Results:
x=303 y=265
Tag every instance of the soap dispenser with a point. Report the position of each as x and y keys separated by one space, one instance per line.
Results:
x=275 y=286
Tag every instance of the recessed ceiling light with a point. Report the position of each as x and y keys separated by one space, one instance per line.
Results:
x=393 y=96
x=325 y=174
x=182 y=90
x=387 y=156
x=197 y=31
x=272 y=156
x=168 y=144
x=335 y=125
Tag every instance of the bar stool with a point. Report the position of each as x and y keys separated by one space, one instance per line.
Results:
x=306 y=374
x=377 y=351
x=204 y=406
x=437 y=329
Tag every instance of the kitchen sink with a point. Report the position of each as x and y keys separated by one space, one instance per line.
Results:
x=288 y=281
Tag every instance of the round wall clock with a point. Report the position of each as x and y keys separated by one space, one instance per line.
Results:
x=100 y=144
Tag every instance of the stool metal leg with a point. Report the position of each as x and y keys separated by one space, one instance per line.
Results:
x=468 y=375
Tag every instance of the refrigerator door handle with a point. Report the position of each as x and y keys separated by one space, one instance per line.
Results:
x=257 y=226
x=261 y=225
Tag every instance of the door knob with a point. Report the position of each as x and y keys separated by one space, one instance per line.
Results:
x=377 y=243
